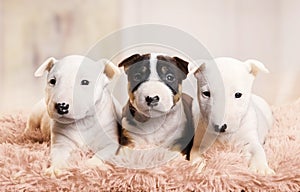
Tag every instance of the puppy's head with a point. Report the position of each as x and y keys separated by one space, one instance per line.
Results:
x=154 y=82
x=74 y=85
x=232 y=97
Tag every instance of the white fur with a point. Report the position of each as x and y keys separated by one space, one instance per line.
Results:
x=91 y=121
x=153 y=88
x=158 y=131
x=248 y=118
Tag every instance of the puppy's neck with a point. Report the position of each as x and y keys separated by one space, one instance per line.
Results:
x=133 y=116
x=132 y=112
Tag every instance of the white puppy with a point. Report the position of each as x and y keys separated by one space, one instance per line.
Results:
x=80 y=106
x=229 y=112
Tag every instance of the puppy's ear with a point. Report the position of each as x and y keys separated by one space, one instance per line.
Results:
x=46 y=66
x=198 y=70
x=255 y=66
x=126 y=63
x=110 y=69
x=182 y=65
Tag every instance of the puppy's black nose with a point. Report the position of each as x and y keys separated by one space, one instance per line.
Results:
x=220 y=129
x=62 y=108
x=152 y=101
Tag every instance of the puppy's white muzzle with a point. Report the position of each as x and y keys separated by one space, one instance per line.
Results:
x=153 y=98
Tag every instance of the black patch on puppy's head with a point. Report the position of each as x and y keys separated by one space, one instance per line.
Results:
x=137 y=68
x=172 y=71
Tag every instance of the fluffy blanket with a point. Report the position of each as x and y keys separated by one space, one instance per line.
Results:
x=24 y=160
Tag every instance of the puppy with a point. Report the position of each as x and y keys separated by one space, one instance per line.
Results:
x=38 y=120
x=157 y=113
x=229 y=112
x=80 y=107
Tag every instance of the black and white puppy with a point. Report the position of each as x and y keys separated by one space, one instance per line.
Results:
x=157 y=113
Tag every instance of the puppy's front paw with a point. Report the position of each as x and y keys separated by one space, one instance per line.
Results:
x=198 y=161
x=96 y=162
x=53 y=172
x=261 y=169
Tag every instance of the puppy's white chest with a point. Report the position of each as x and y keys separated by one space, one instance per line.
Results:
x=162 y=131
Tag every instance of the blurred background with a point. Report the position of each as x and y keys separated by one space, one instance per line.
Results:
x=33 y=30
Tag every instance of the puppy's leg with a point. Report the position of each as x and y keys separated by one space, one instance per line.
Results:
x=33 y=123
x=59 y=161
x=197 y=160
x=35 y=120
x=258 y=161
x=95 y=161
x=202 y=141
x=46 y=127
x=61 y=149
x=249 y=134
x=104 y=154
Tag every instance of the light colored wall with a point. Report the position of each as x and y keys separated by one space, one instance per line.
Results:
x=265 y=30
x=33 y=30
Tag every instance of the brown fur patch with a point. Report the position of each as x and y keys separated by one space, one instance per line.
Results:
x=200 y=69
x=164 y=69
x=50 y=65
x=130 y=94
x=132 y=112
x=109 y=71
x=177 y=96
x=124 y=137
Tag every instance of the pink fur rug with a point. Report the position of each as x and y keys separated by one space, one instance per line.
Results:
x=24 y=160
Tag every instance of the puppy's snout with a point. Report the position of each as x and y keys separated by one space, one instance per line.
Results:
x=220 y=129
x=152 y=101
x=62 y=108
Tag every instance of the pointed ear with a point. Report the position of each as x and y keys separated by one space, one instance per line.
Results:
x=198 y=70
x=46 y=66
x=110 y=69
x=126 y=63
x=255 y=66
x=182 y=64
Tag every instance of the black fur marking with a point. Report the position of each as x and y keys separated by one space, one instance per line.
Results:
x=179 y=63
x=170 y=73
x=135 y=87
x=137 y=68
x=187 y=139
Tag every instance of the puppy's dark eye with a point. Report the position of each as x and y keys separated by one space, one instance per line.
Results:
x=238 y=95
x=85 y=82
x=170 y=77
x=52 y=81
x=206 y=93
x=137 y=77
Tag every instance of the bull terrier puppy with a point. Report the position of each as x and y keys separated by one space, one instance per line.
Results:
x=80 y=108
x=157 y=114
x=245 y=118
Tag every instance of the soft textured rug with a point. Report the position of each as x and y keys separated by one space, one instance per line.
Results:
x=23 y=161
